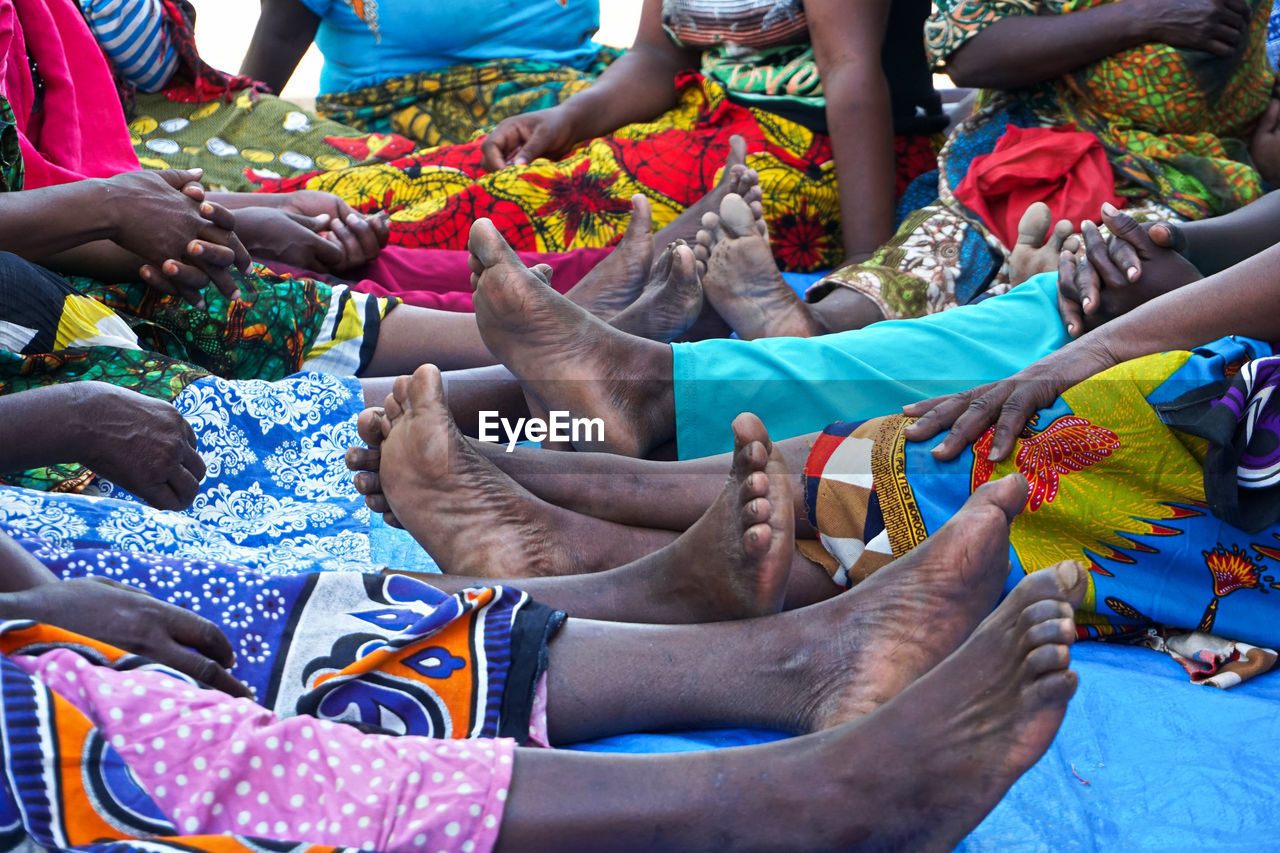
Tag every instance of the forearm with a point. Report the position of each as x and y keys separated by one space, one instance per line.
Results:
x=285 y=30
x=101 y=259
x=36 y=224
x=37 y=426
x=21 y=571
x=1217 y=243
x=1240 y=300
x=860 y=121
x=1023 y=50
x=638 y=86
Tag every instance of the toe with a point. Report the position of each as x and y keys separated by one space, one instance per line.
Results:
x=1033 y=227
x=641 y=222
x=1058 y=238
x=755 y=485
x=487 y=245
x=756 y=540
x=736 y=216
x=362 y=459
x=426 y=388
x=1043 y=660
x=747 y=428
x=369 y=425
x=1009 y=493
x=367 y=483
x=737 y=151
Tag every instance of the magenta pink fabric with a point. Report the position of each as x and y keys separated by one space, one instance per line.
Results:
x=441 y=279
x=87 y=134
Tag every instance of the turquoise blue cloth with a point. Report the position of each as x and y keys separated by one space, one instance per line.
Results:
x=414 y=36
x=800 y=385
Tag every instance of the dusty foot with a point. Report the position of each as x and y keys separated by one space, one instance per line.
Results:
x=670 y=303
x=1037 y=249
x=734 y=561
x=372 y=426
x=617 y=281
x=742 y=281
x=949 y=746
x=471 y=518
x=565 y=358
x=900 y=622
x=736 y=178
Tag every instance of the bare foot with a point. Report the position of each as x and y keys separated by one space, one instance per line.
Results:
x=734 y=561
x=1037 y=249
x=372 y=427
x=736 y=177
x=567 y=359
x=948 y=747
x=742 y=281
x=617 y=281
x=670 y=303
x=900 y=622
x=470 y=517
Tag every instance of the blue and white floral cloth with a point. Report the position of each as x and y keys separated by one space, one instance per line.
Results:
x=277 y=496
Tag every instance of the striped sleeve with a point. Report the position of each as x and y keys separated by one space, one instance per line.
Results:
x=134 y=37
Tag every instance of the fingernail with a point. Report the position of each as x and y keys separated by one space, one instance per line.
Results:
x=201 y=305
x=235 y=297
x=197 y=249
x=1109 y=209
x=352 y=219
x=1086 y=302
x=197 y=171
x=206 y=208
x=993 y=455
x=1132 y=273
x=170 y=267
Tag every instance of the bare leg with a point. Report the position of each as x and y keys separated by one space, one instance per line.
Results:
x=412 y=336
x=914 y=763
x=567 y=359
x=732 y=564
x=472 y=519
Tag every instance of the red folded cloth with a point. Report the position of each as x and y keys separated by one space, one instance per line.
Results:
x=1060 y=166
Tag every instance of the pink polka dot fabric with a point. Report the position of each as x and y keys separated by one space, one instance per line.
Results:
x=217 y=764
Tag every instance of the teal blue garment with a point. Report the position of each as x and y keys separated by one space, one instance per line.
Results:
x=413 y=36
x=799 y=385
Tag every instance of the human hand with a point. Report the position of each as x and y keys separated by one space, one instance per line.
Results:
x=132 y=620
x=161 y=217
x=316 y=243
x=521 y=139
x=1264 y=144
x=141 y=444
x=1008 y=404
x=1216 y=26
x=1108 y=278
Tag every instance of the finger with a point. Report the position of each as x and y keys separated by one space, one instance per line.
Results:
x=936 y=415
x=1088 y=285
x=534 y=147
x=187 y=282
x=1168 y=235
x=218 y=215
x=195 y=631
x=222 y=280
x=498 y=146
x=365 y=237
x=179 y=178
x=202 y=669
x=210 y=254
x=194 y=191
x=380 y=222
x=328 y=254
x=193 y=462
x=1095 y=249
x=161 y=496
x=1221 y=48
x=347 y=240
x=185 y=487
x=1014 y=414
x=1069 y=295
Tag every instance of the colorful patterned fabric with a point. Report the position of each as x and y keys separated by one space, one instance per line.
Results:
x=584 y=198
x=746 y=23
x=1112 y=486
x=243 y=139
x=1151 y=107
x=276 y=496
x=371 y=694
x=134 y=36
x=451 y=106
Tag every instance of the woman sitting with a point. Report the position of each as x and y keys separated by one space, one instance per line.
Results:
x=1169 y=102
x=855 y=99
